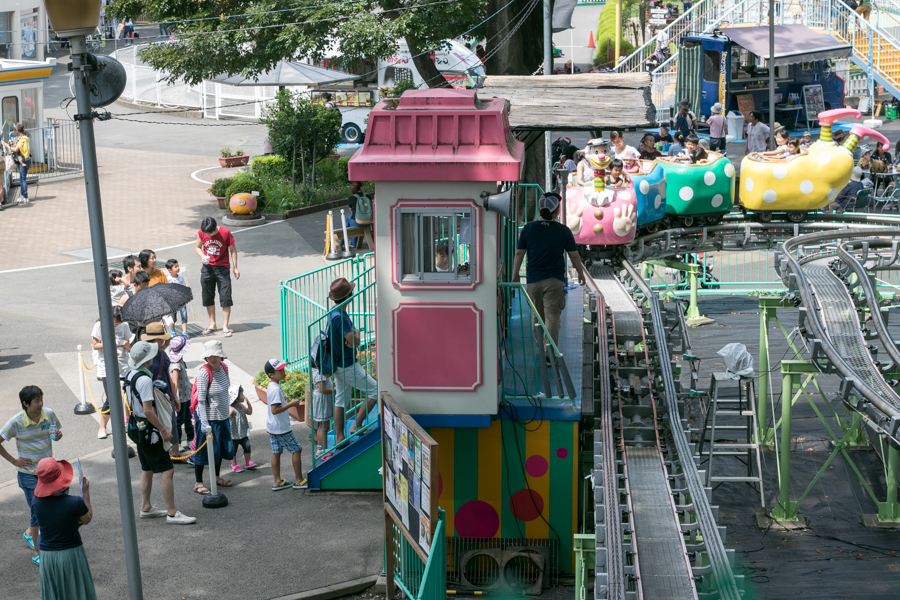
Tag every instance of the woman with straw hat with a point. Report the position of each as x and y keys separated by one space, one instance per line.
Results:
x=65 y=573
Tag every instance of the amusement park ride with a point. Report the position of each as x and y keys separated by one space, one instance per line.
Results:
x=601 y=478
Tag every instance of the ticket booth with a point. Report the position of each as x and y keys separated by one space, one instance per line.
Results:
x=434 y=155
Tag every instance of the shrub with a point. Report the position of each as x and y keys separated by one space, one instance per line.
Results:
x=270 y=167
x=219 y=187
x=294 y=384
x=332 y=172
x=245 y=186
x=606 y=35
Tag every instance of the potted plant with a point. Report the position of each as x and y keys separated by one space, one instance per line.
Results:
x=219 y=188
x=229 y=159
x=294 y=387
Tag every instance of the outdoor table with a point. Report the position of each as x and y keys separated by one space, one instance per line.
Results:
x=885 y=178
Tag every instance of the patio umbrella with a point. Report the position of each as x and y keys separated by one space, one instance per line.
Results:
x=153 y=303
x=289 y=73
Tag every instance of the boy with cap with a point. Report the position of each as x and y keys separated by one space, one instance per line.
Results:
x=349 y=375
x=547 y=241
x=278 y=426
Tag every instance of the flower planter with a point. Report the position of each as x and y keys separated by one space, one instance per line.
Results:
x=234 y=161
x=299 y=413
x=220 y=200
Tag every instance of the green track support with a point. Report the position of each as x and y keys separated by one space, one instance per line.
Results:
x=585 y=560
x=692 y=316
x=785 y=509
x=765 y=435
x=889 y=511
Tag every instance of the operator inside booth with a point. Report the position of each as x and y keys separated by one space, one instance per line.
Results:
x=435 y=247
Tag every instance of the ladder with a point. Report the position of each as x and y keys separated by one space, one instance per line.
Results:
x=731 y=413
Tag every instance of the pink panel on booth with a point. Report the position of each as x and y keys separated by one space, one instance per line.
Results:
x=437 y=346
x=438 y=135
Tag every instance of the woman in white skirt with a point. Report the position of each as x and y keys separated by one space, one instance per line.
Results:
x=65 y=573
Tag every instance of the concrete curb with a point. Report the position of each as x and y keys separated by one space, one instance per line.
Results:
x=337 y=590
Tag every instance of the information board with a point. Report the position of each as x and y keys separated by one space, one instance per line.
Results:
x=813 y=101
x=410 y=471
x=745 y=104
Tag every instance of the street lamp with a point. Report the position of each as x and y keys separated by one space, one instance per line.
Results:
x=76 y=19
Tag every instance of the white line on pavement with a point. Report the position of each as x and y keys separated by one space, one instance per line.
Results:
x=195 y=178
x=81 y=262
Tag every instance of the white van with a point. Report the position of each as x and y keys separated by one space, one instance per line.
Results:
x=459 y=65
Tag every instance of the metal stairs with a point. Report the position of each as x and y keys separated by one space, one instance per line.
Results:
x=876 y=50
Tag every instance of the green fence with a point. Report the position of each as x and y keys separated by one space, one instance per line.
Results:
x=304 y=300
x=421 y=580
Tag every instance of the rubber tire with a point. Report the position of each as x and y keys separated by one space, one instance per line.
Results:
x=797 y=216
x=351 y=134
x=688 y=221
x=652 y=227
x=764 y=216
x=714 y=220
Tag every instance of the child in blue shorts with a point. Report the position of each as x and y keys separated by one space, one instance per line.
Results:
x=278 y=426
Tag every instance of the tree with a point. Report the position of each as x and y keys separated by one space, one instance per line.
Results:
x=248 y=37
x=301 y=128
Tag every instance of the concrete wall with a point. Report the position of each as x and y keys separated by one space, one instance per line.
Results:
x=27 y=35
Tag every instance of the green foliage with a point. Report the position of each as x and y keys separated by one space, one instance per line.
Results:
x=606 y=34
x=301 y=131
x=250 y=36
x=332 y=172
x=245 y=186
x=220 y=186
x=397 y=90
x=294 y=384
x=270 y=167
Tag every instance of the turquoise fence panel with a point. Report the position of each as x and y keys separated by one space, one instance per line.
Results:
x=421 y=580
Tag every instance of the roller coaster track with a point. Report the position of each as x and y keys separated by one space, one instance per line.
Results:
x=645 y=543
x=657 y=535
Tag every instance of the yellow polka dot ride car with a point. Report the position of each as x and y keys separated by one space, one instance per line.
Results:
x=697 y=194
x=792 y=188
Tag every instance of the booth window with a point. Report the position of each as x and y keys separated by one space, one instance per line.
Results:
x=711 y=60
x=434 y=245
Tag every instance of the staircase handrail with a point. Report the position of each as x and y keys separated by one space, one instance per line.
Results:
x=865 y=28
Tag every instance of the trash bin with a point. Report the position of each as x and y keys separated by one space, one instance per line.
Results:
x=890 y=112
x=736 y=125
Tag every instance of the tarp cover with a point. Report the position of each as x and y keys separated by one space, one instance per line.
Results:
x=562 y=14
x=289 y=73
x=793 y=43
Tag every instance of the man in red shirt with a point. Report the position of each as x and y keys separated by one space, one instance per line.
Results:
x=214 y=246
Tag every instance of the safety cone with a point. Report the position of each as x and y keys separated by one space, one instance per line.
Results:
x=591 y=40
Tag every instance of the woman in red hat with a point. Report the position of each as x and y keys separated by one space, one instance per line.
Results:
x=65 y=573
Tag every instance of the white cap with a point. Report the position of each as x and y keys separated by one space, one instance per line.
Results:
x=549 y=201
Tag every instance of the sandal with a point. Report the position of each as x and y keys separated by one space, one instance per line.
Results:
x=251 y=465
x=223 y=482
x=209 y=330
x=227 y=332
x=237 y=469
x=201 y=489
x=36 y=560
x=28 y=540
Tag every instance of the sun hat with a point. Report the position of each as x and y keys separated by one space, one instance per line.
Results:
x=54 y=476
x=155 y=331
x=274 y=364
x=549 y=201
x=631 y=155
x=856 y=174
x=234 y=392
x=140 y=353
x=177 y=348
x=213 y=348
x=717 y=108
x=340 y=289
x=684 y=105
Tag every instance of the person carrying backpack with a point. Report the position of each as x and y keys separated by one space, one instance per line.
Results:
x=210 y=404
x=362 y=210
x=685 y=121
x=149 y=432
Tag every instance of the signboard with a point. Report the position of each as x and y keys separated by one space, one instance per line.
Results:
x=657 y=21
x=28 y=27
x=410 y=472
x=745 y=104
x=813 y=101
x=658 y=12
x=723 y=76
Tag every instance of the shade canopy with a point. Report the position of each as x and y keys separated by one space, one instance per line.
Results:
x=793 y=43
x=289 y=73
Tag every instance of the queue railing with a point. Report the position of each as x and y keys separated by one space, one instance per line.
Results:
x=420 y=580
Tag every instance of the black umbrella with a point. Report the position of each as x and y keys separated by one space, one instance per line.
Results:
x=153 y=303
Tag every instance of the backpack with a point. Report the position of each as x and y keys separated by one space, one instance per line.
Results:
x=320 y=356
x=195 y=396
x=853 y=5
x=365 y=214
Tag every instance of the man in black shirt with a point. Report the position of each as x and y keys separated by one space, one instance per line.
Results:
x=663 y=137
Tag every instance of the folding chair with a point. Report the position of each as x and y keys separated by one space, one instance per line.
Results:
x=892 y=200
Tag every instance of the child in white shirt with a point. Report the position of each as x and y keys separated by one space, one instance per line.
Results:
x=174 y=275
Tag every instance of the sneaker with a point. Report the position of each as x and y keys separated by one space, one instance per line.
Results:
x=154 y=513
x=189 y=462
x=299 y=486
x=180 y=519
x=102 y=435
x=237 y=469
x=28 y=540
x=282 y=485
x=251 y=465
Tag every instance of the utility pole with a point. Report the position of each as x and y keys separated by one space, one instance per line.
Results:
x=548 y=71
x=771 y=74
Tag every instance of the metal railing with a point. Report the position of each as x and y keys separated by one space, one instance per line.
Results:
x=304 y=300
x=148 y=86
x=527 y=351
x=55 y=151
x=421 y=580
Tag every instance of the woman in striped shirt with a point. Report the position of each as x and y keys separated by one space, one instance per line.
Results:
x=212 y=414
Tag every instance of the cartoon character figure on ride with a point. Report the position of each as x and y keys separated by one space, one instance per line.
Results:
x=600 y=216
x=698 y=194
x=806 y=181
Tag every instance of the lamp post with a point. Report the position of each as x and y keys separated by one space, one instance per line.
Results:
x=76 y=19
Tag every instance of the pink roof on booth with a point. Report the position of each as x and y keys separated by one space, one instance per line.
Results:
x=438 y=135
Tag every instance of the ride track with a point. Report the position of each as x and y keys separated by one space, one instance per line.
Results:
x=652 y=511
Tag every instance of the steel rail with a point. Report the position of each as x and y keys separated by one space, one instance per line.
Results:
x=726 y=583
x=791 y=270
